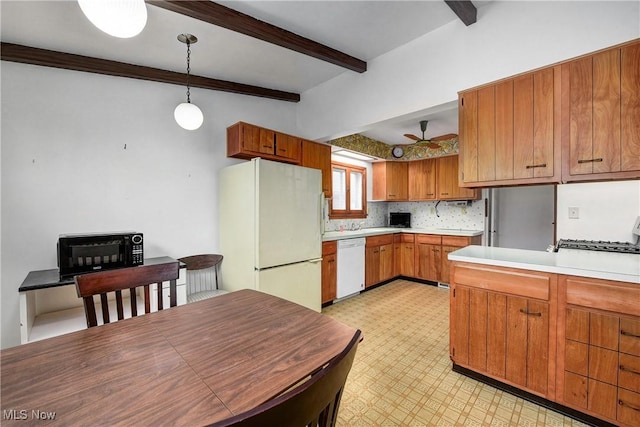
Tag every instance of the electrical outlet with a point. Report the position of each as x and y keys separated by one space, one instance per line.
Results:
x=574 y=213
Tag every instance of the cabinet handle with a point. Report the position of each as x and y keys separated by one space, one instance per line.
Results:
x=391 y=195
x=542 y=165
x=444 y=194
x=267 y=146
x=629 y=334
x=622 y=368
x=590 y=160
x=529 y=313
x=429 y=194
x=623 y=403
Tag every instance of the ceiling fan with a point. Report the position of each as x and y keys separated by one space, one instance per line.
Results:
x=429 y=142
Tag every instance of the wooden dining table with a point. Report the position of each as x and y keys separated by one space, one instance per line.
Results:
x=189 y=365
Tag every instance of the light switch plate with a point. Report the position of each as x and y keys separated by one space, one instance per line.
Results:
x=574 y=213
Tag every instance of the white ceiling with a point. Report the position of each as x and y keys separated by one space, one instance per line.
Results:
x=363 y=29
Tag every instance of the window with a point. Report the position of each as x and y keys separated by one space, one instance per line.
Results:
x=349 y=191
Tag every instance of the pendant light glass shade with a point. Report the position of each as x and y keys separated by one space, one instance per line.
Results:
x=118 y=18
x=188 y=116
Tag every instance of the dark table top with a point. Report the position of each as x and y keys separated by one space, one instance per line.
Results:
x=189 y=365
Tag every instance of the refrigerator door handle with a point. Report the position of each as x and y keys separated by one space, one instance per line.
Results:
x=315 y=261
x=321 y=212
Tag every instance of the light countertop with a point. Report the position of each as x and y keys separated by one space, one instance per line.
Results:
x=352 y=234
x=599 y=265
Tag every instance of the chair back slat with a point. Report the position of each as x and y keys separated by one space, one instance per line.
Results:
x=101 y=283
x=315 y=402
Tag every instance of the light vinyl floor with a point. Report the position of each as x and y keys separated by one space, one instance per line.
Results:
x=402 y=374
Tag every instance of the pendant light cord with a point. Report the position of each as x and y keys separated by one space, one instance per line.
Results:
x=188 y=71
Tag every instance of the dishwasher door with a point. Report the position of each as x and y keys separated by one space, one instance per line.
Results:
x=350 y=266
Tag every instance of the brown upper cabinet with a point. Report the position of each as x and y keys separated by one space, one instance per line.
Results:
x=601 y=115
x=246 y=141
x=422 y=179
x=429 y=179
x=318 y=156
x=573 y=121
x=390 y=181
x=447 y=182
x=509 y=131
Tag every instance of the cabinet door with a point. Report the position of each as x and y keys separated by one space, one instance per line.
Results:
x=527 y=361
x=397 y=180
x=372 y=265
x=533 y=128
x=594 y=141
x=390 y=181
x=445 y=268
x=630 y=107
x=422 y=179
x=267 y=141
x=318 y=156
x=428 y=256
x=329 y=277
x=386 y=261
x=407 y=259
x=478 y=329
x=468 y=139
x=287 y=146
x=448 y=189
x=459 y=325
x=250 y=137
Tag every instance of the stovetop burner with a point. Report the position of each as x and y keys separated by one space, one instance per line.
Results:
x=598 y=245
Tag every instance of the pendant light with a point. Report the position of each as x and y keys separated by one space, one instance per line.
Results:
x=188 y=115
x=118 y=18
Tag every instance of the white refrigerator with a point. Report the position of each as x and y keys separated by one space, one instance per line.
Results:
x=271 y=226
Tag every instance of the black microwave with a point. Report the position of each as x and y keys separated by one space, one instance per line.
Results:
x=85 y=253
x=400 y=219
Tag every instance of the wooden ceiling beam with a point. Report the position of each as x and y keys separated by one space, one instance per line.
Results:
x=465 y=10
x=50 y=58
x=231 y=19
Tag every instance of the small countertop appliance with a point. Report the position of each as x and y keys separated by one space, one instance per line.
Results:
x=400 y=219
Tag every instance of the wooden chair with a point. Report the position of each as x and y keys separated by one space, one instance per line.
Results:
x=315 y=402
x=116 y=281
x=202 y=276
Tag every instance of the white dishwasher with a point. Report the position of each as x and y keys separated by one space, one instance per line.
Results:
x=350 y=266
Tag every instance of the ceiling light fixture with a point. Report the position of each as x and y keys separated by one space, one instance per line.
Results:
x=354 y=155
x=118 y=18
x=188 y=115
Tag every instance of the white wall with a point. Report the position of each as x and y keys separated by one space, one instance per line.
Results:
x=65 y=167
x=607 y=210
x=510 y=37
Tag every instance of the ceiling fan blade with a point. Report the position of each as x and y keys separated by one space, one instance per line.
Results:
x=432 y=145
x=410 y=136
x=443 y=137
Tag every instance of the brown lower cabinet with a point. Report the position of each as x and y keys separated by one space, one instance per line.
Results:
x=329 y=270
x=572 y=340
x=600 y=340
x=500 y=325
x=378 y=261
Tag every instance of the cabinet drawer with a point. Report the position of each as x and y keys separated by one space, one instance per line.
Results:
x=603 y=295
x=630 y=336
x=576 y=357
x=330 y=247
x=603 y=364
x=384 y=239
x=628 y=407
x=530 y=284
x=629 y=375
x=575 y=389
x=429 y=239
x=404 y=238
x=602 y=399
x=456 y=241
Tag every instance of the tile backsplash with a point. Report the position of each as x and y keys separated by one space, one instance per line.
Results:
x=423 y=215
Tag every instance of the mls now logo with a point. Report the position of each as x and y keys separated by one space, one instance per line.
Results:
x=23 y=414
